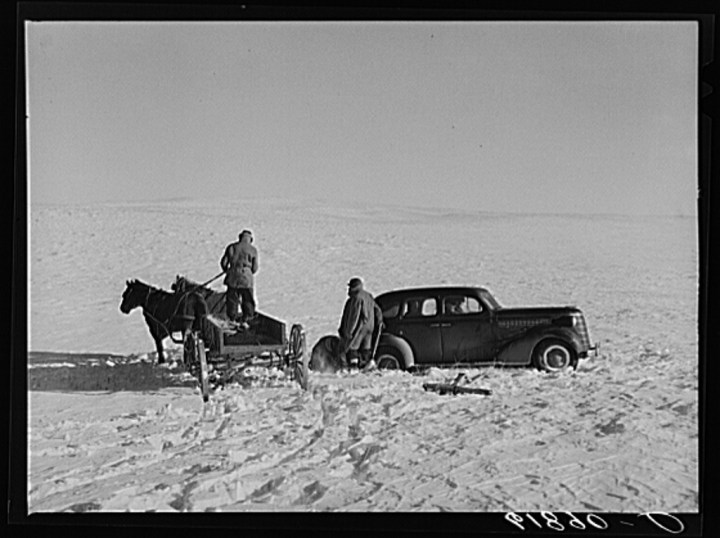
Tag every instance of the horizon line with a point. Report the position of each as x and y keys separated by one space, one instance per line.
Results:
x=351 y=203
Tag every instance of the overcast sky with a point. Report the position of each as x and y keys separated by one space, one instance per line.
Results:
x=497 y=116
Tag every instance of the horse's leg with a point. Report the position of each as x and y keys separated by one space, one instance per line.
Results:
x=157 y=335
x=159 y=346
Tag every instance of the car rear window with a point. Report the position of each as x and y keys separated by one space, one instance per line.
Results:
x=419 y=307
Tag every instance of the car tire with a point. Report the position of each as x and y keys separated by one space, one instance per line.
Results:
x=389 y=358
x=554 y=355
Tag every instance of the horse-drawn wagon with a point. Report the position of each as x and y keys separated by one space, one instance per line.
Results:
x=214 y=348
x=219 y=351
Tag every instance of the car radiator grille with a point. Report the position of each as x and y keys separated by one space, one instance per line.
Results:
x=522 y=323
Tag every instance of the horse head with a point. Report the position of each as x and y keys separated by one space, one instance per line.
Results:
x=183 y=284
x=135 y=294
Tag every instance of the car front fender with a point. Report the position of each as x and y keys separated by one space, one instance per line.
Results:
x=519 y=351
x=401 y=345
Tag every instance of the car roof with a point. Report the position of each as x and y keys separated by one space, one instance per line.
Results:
x=435 y=290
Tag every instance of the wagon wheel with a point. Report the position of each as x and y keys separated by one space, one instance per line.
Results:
x=298 y=355
x=189 y=356
x=196 y=361
x=204 y=385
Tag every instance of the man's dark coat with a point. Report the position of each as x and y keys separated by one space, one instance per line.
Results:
x=360 y=316
x=240 y=262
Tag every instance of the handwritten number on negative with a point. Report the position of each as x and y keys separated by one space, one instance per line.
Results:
x=552 y=521
x=575 y=522
x=515 y=519
x=652 y=516
x=662 y=520
x=531 y=518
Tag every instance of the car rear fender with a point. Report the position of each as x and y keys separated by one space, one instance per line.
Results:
x=520 y=351
x=401 y=345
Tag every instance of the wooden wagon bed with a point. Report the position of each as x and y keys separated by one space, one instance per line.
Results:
x=267 y=335
x=219 y=346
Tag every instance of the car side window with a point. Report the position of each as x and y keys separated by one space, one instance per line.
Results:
x=429 y=307
x=462 y=305
x=419 y=307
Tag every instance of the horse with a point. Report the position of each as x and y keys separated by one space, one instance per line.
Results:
x=165 y=313
x=215 y=299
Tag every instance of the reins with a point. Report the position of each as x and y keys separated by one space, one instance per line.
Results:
x=147 y=312
x=221 y=273
x=198 y=286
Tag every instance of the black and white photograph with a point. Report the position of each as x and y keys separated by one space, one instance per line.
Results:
x=364 y=266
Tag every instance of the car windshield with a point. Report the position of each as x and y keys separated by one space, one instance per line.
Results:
x=489 y=300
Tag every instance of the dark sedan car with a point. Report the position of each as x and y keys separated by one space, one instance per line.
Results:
x=452 y=326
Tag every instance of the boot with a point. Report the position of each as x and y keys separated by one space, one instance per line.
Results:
x=365 y=358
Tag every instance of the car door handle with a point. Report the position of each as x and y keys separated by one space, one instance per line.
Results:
x=441 y=325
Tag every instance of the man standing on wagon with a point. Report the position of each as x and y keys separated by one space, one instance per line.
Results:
x=361 y=320
x=240 y=263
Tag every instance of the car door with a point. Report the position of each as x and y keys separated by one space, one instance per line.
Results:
x=419 y=325
x=466 y=330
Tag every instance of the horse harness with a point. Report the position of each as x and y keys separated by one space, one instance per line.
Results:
x=147 y=312
x=151 y=312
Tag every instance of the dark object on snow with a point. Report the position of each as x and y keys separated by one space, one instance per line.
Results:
x=450 y=388
x=455 y=388
x=466 y=326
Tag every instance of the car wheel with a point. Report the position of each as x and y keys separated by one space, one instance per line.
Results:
x=553 y=356
x=388 y=358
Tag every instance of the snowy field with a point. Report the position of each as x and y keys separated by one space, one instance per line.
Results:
x=109 y=430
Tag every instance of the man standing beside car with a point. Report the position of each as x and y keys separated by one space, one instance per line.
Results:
x=361 y=321
x=240 y=263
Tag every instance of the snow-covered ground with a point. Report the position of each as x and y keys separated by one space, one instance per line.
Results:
x=111 y=430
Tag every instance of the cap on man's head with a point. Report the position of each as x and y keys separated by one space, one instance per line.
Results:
x=245 y=232
x=355 y=282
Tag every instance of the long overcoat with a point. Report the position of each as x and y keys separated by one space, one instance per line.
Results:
x=240 y=262
x=359 y=319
